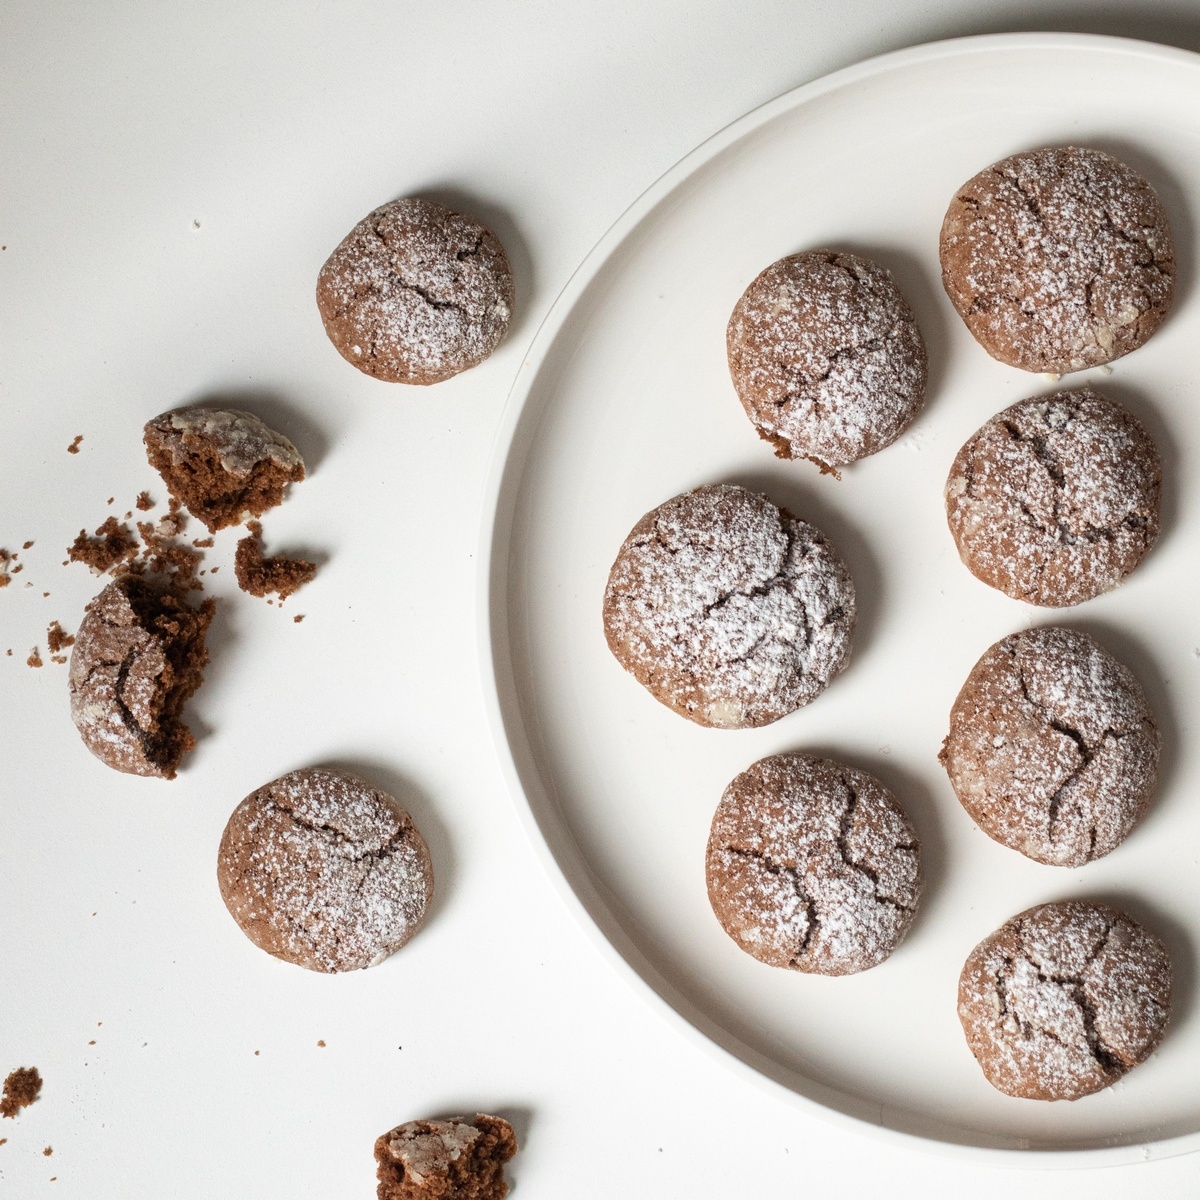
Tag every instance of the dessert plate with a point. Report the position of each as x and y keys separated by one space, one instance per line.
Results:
x=624 y=400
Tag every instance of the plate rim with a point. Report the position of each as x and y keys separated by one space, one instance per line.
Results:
x=492 y=576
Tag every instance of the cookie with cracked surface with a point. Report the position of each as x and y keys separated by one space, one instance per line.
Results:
x=223 y=465
x=138 y=658
x=826 y=357
x=1064 y=999
x=812 y=865
x=1058 y=259
x=321 y=869
x=1052 y=748
x=460 y=1158
x=727 y=609
x=1056 y=499
x=416 y=293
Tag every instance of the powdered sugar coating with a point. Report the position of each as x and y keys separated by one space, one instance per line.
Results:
x=425 y=1148
x=1058 y=259
x=1056 y=499
x=729 y=610
x=325 y=871
x=416 y=293
x=812 y=865
x=1064 y=999
x=240 y=440
x=1052 y=747
x=826 y=357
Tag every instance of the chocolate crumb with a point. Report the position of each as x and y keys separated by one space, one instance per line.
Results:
x=26 y=545
x=34 y=659
x=259 y=575
x=321 y=1043
x=213 y=570
x=144 y=503
x=18 y=568
x=298 y=618
x=112 y=545
x=57 y=637
x=21 y=1088
x=49 y=1150
x=73 y=448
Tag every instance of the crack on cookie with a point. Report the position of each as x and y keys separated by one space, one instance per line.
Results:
x=795 y=876
x=845 y=826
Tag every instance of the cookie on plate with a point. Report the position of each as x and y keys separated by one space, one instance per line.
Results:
x=1056 y=499
x=139 y=656
x=812 y=865
x=727 y=609
x=1052 y=748
x=416 y=293
x=460 y=1158
x=1064 y=999
x=321 y=869
x=1058 y=259
x=826 y=357
x=223 y=465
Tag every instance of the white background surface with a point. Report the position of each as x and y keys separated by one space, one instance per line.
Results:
x=275 y=128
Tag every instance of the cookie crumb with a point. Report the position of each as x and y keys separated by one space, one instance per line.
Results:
x=202 y=543
x=58 y=658
x=26 y=545
x=259 y=575
x=321 y=1043
x=21 y=1088
x=49 y=1150
x=143 y=502
x=298 y=618
x=34 y=659
x=73 y=448
x=111 y=545
x=57 y=637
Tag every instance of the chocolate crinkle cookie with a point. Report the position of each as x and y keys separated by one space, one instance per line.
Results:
x=826 y=357
x=1058 y=259
x=1063 y=1000
x=321 y=869
x=1052 y=748
x=727 y=609
x=460 y=1158
x=812 y=865
x=138 y=657
x=416 y=293
x=1056 y=499
x=223 y=465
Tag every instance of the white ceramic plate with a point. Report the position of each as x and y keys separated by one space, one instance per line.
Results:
x=625 y=400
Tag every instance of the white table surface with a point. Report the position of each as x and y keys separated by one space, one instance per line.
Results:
x=171 y=178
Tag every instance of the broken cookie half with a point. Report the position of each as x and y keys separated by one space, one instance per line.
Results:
x=461 y=1158
x=139 y=656
x=222 y=464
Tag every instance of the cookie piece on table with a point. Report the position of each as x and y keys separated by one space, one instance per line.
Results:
x=1058 y=259
x=727 y=609
x=1052 y=748
x=1064 y=999
x=461 y=1158
x=826 y=357
x=223 y=465
x=813 y=865
x=416 y=293
x=138 y=657
x=1056 y=499
x=323 y=870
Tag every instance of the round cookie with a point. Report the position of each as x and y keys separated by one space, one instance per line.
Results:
x=727 y=609
x=223 y=465
x=812 y=865
x=1058 y=259
x=416 y=293
x=321 y=869
x=1063 y=1000
x=1052 y=748
x=1056 y=499
x=826 y=357
x=138 y=657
